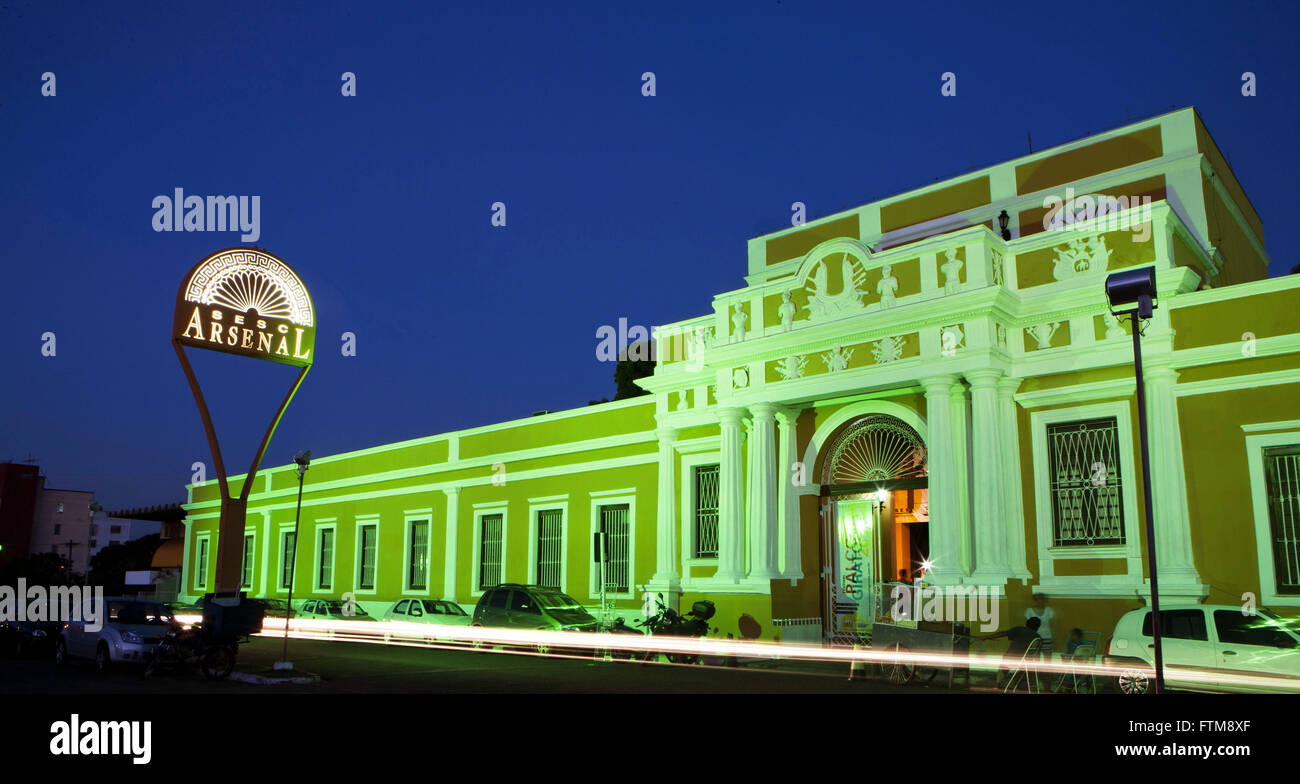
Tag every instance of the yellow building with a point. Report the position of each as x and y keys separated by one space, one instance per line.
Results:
x=896 y=387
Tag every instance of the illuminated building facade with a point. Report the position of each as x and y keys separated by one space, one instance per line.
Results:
x=896 y=388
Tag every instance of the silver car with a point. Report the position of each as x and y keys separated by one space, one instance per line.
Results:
x=131 y=631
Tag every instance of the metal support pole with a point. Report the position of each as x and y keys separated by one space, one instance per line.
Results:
x=1146 y=499
x=293 y=563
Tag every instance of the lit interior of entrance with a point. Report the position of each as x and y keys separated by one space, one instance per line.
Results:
x=875 y=520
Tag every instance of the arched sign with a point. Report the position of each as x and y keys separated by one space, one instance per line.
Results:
x=246 y=302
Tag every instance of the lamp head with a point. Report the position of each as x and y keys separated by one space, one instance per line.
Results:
x=303 y=459
x=1132 y=290
x=1003 y=220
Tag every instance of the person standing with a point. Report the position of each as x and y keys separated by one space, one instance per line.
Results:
x=1045 y=616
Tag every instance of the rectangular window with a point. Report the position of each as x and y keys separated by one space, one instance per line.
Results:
x=202 y=570
x=247 y=582
x=1282 y=478
x=366 y=574
x=706 y=511
x=115 y=529
x=417 y=577
x=615 y=522
x=325 y=575
x=489 y=554
x=288 y=550
x=550 y=544
x=57 y=528
x=1085 y=483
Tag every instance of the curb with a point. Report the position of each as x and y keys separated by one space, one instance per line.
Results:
x=275 y=680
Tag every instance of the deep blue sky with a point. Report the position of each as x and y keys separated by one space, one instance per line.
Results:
x=618 y=205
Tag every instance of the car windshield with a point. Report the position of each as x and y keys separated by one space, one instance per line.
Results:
x=140 y=613
x=554 y=600
x=441 y=608
x=336 y=608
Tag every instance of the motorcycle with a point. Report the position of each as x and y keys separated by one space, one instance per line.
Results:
x=668 y=622
x=186 y=648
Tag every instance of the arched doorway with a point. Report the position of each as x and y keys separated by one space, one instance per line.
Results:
x=875 y=521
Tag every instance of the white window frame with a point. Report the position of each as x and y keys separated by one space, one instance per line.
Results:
x=202 y=564
x=414 y=516
x=1130 y=551
x=614 y=498
x=1255 y=445
x=249 y=533
x=282 y=552
x=364 y=521
x=480 y=511
x=549 y=503
x=686 y=508
x=322 y=525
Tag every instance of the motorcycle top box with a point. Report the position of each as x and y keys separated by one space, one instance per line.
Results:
x=703 y=609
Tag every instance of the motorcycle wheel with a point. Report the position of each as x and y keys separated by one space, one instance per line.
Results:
x=218 y=662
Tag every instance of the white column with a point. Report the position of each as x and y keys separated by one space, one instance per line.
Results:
x=1168 y=483
x=991 y=561
x=945 y=537
x=762 y=531
x=961 y=461
x=731 y=501
x=449 y=569
x=787 y=499
x=1008 y=413
x=666 y=577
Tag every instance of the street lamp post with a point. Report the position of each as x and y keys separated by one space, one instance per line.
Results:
x=303 y=459
x=1128 y=287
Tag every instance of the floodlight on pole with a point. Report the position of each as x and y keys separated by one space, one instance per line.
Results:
x=303 y=459
x=1132 y=292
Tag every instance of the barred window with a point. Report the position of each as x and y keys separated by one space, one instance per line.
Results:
x=247 y=581
x=201 y=580
x=325 y=577
x=1282 y=478
x=366 y=570
x=615 y=522
x=288 y=549
x=549 y=547
x=489 y=554
x=1085 y=483
x=417 y=572
x=706 y=511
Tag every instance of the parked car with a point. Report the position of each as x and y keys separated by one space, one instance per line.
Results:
x=131 y=630
x=28 y=638
x=1219 y=640
x=332 y=609
x=437 y=611
x=531 y=607
x=277 y=608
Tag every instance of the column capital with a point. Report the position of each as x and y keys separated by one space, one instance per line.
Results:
x=1161 y=370
x=1008 y=385
x=666 y=434
x=763 y=411
x=788 y=415
x=730 y=415
x=451 y=491
x=938 y=385
x=984 y=378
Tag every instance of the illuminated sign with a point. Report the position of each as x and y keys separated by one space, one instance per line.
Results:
x=246 y=302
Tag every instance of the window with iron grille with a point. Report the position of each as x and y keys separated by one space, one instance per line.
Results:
x=247 y=581
x=550 y=539
x=489 y=554
x=615 y=522
x=288 y=549
x=202 y=573
x=1085 y=483
x=417 y=573
x=366 y=570
x=1282 y=476
x=325 y=575
x=706 y=511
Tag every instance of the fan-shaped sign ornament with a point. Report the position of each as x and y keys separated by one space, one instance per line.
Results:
x=247 y=302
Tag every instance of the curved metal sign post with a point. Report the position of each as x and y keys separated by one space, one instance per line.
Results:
x=246 y=302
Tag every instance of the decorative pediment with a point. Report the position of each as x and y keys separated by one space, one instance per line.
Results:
x=834 y=276
x=1082 y=256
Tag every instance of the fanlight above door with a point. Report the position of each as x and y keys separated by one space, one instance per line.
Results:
x=876 y=448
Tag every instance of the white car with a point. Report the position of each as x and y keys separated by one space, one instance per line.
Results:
x=428 y=611
x=1208 y=647
x=130 y=633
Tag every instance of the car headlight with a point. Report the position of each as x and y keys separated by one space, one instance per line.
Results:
x=131 y=637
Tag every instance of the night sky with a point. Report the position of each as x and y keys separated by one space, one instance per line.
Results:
x=617 y=205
